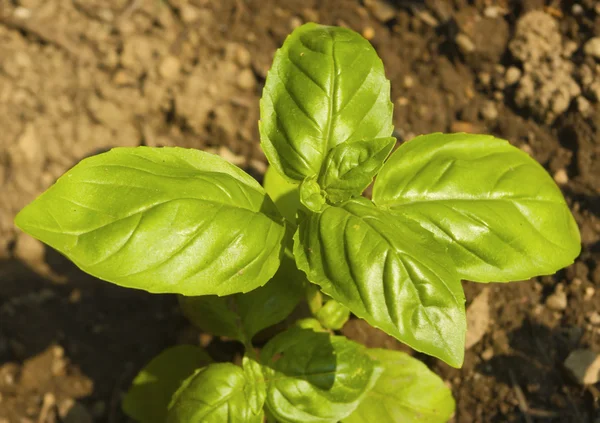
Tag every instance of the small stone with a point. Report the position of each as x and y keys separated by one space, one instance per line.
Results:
x=243 y=56
x=487 y=354
x=409 y=81
x=228 y=155
x=584 y=366
x=558 y=300
x=526 y=148
x=188 y=13
x=75 y=296
x=259 y=166
x=561 y=177
x=368 y=33
x=589 y=293
x=29 y=249
x=512 y=75
x=22 y=13
x=402 y=101
x=169 y=67
x=594 y=318
x=381 y=10
x=478 y=319
x=577 y=9
x=246 y=79
x=491 y=12
x=489 y=111
x=485 y=78
x=592 y=47
x=584 y=106
x=464 y=43
x=597 y=9
x=295 y=22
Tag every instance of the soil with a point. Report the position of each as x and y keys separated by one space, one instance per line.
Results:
x=79 y=77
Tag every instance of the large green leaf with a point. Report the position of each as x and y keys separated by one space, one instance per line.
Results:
x=215 y=394
x=326 y=86
x=315 y=377
x=350 y=167
x=389 y=271
x=165 y=220
x=406 y=392
x=241 y=316
x=150 y=393
x=498 y=212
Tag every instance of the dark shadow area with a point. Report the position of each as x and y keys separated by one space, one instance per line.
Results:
x=543 y=390
x=106 y=331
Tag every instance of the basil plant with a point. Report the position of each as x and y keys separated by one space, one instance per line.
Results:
x=445 y=207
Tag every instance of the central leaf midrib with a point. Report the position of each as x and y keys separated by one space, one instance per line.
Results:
x=331 y=106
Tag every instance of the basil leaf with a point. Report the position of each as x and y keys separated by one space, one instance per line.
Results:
x=214 y=394
x=284 y=194
x=311 y=194
x=497 y=211
x=273 y=302
x=326 y=86
x=350 y=167
x=256 y=391
x=213 y=314
x=241 y=316
x=166 y=220
x=315 y=377
x=386 y=270
x=406 y=392
x=150 y=393
x=333 y=315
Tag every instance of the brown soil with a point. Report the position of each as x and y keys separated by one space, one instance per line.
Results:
x=78 y=77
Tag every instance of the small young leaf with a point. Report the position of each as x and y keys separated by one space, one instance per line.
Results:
x=498 y=212
x=166 y=220
x=150 y=393
x=326 y=86
x=333 y=315
x=315 y=377
x=256 y=392
x=386 y=270
x=406 y=392
x=214 y=394
x=311 y=194
x=350 y=167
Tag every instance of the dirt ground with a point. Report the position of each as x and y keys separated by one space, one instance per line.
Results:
x=81 y=76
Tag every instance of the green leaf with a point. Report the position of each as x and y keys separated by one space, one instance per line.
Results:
x=241 y=316
x=315 y=377
x=256 y=391
x=214 y=394
x=326 y=86
x=166 y=220
x=495 y=209
x=386 y=270
x=311 y=194
x=150 y=393
x=406 y=392
x=213 y=314
x=272 y=303
x=284 y=194
x=333 y=315
x=350 y=167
